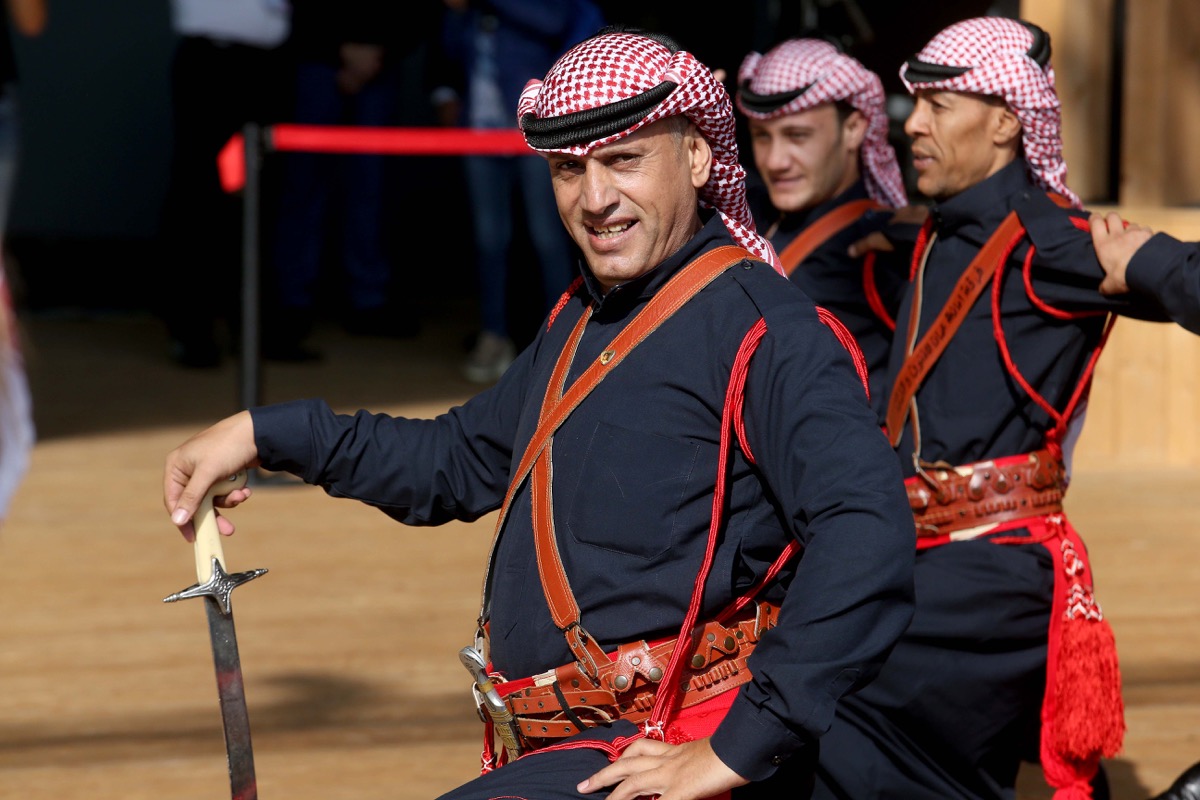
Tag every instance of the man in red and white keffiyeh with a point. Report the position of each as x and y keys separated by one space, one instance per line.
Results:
x=998 y=58
x=609 y=88
x=1010 y=657
x=828 y=179
x=703 y=544
x=803 y=75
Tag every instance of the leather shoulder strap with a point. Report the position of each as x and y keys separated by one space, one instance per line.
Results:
x=821 y=230
x=926 y=352
x=558 y=404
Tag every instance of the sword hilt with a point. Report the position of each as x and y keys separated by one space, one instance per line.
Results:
x=208 y=536
x=212 y=579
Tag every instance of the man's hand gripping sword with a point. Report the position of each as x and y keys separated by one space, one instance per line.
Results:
x=217 y=585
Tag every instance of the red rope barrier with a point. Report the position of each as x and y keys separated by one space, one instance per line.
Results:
x=374 y=141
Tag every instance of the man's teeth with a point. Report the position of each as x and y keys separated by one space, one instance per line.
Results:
x=612 y=230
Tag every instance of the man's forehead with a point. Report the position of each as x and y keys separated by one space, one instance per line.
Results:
x=955 y=97
x=820 y=114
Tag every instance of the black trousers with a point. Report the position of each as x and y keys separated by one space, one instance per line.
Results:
x=957 y=705
x=554 y=775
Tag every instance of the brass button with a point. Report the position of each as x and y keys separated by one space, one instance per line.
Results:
x=635 y=660
x=621 y=681
x=697 y=661
x=656 y=674
x=730 y=643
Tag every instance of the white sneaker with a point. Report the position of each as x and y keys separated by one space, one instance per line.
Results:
x=489 y=359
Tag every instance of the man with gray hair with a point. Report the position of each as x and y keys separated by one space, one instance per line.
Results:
x=703 y=543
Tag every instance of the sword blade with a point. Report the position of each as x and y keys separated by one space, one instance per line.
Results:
x=232 y=693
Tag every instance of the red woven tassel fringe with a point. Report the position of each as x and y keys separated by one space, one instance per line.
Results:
x=1083 y=715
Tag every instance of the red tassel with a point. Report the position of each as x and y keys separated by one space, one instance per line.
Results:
x=1089 y=715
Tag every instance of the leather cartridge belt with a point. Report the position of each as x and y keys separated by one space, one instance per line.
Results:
x=564 y=700
x=948 y=499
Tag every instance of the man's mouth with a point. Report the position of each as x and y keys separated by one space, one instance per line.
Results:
x=610 y=231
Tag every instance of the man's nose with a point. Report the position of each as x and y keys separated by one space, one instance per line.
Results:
x=596 y=191
x=776 y=156
x=915 y=124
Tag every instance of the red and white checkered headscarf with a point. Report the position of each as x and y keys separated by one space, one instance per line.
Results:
x=611 y=85
x=1004 y=58
x=823 y=74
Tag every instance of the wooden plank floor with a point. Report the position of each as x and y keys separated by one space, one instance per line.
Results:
x=349 y=643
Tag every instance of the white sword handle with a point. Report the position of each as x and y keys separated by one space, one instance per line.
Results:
x=208 y=536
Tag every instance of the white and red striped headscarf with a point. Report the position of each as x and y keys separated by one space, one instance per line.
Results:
x=1005 y=58
x=613 y=84
x=801 y=74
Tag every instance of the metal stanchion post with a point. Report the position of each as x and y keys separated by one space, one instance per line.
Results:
x=250 y=350
x=250 y=382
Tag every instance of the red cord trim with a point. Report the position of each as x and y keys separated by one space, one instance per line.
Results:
x=848 y=341
x=919 y=248
x=667 y=701
x=1061 y=420
x=562 y=301
x=1027 y=276
x=872 y=292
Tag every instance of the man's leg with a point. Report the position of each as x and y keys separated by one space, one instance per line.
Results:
x=956 y=707
x=549 y=775
x=554 y=775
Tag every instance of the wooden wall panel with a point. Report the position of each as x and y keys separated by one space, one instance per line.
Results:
x=1081 y=41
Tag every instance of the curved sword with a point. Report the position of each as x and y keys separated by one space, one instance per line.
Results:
x=217 y=585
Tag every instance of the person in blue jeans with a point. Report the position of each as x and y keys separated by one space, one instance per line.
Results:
x=499 y=45
x=349 y=62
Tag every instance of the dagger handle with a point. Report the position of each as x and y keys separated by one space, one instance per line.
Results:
x=208 y=536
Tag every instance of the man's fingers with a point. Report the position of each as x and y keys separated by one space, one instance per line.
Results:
x=871 y=242
x=635 y=759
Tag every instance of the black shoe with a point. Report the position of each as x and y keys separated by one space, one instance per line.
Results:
x=386 y=322
x=1185 y=787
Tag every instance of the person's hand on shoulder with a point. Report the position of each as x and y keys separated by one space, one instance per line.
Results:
x=203 y=461
x=1116 y=241
x=884 y=240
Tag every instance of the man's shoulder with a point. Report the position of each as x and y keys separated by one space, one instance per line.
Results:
x=1051 y=226
x=770 y=294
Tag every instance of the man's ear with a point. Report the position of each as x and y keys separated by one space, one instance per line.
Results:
x=1007 y=128
x=854 y=130
x=700 y=155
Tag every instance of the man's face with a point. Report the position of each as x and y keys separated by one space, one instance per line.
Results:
x=808 y=157
x=631 y=204
x=958 y=140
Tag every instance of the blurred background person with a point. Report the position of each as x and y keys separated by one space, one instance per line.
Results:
x=348 y=62
x=498 y=45
x=24 y=18
x=225 y=72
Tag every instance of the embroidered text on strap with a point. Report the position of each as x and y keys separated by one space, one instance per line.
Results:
x=924 y=354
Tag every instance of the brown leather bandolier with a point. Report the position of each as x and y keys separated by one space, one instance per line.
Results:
x=946 y=500
x=598 y=687
x=821 y=230
x=563 y=701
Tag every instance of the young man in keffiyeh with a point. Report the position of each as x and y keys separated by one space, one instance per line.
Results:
x=703 y=543
x=1009 y=657
x=829 y=177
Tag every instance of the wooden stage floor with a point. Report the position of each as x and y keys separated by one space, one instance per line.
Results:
x=349 y=644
